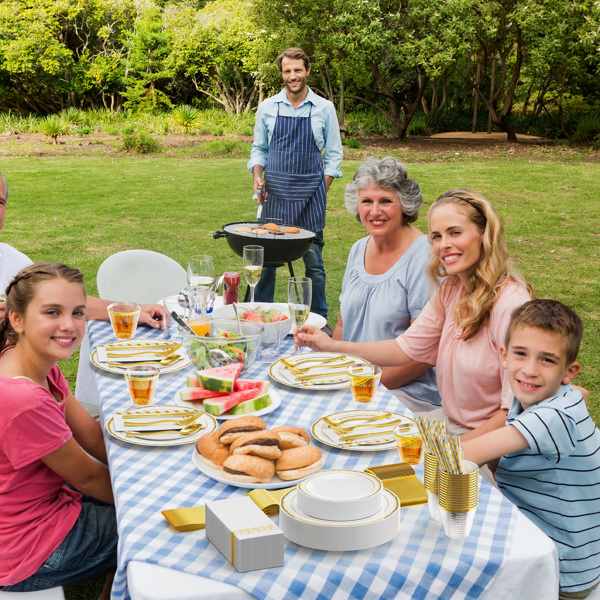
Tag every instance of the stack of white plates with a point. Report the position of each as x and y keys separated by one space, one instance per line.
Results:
x=340 y=510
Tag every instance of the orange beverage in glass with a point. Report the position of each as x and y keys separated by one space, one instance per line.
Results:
x=410 y=444
x=124 y=318
x=200 y=327
x=141 y=383
x=364 y=380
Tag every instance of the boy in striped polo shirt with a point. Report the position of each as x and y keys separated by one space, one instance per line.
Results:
x=549 y=448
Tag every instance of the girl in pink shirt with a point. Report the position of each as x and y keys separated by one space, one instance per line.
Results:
x=463 y=326
x=50 y=534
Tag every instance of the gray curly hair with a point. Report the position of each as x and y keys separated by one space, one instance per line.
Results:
x=3 y=182
x=389 y=174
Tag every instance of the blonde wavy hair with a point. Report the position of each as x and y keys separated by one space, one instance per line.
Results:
x=494 y=270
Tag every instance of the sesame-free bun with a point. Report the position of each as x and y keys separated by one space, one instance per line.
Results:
x=234 y=428
x=291 y=437
x=245 y=468
x=297 y=463
x=211 y=450
x=291 y=230
x=271 y=226
x=260 y=443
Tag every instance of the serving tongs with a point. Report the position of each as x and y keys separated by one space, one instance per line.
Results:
x=214 y=292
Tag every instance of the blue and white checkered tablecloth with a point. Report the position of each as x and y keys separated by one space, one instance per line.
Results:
x=419 y=563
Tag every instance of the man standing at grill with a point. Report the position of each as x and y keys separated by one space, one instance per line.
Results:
x=292 y=129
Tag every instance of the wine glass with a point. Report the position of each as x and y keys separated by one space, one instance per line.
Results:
x=299 y=298
x=201 y=271
x=253 y=264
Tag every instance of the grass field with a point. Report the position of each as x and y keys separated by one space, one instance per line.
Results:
x=81 y=209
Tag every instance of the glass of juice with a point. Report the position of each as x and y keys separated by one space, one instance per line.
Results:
x=364 y=380
x=141 y=383
x=410 y=444
x=200 y=326
x=124 y=318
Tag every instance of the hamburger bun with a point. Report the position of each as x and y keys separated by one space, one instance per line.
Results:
x=260 y=443
x=291 y=230
x=234 y=428
x=212 y=451
x=271 y=226
x=246 y=468
x=297 y=463
x=291 y=437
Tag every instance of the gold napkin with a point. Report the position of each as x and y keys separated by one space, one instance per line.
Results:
x=193 y=518
x=400 y=478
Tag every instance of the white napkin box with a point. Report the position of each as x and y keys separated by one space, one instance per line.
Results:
x=244 y=535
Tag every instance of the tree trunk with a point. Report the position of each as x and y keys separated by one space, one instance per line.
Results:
x=342 y=122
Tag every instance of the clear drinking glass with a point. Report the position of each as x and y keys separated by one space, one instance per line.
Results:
x=201 y=271
x=299 y=298
x=253 y=264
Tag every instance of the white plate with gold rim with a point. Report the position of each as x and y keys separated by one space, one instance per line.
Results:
x=337 y=380
x=166 y=439
x=340 y=495
x=382 y=439
x=151 y=345
x=339 y=536
x=217 y=475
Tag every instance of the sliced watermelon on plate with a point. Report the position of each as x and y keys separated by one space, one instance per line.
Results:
x=220 y=405
x=220 y=379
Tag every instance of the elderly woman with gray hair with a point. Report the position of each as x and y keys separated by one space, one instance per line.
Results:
x=385 y=286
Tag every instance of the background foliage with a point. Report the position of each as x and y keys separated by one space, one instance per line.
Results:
x=516 y=65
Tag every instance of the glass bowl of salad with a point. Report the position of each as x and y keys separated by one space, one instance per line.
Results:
x=221 y=344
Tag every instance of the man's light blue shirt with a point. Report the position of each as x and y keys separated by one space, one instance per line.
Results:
x=325 y=127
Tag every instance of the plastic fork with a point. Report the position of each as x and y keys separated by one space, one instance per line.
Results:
x=294 y=363
x=303 y=370
x=337 y=422
x=178 y=422
x=157 y=353
x=345 y=430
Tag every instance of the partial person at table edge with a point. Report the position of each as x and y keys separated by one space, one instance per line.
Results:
x=12 y=261
x=291 y=131
x=463 y=325
x=57 y=519
x=549 y=447
x=385 y=286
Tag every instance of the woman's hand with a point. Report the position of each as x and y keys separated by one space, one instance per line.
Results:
x=312 y=337
x=152 y=315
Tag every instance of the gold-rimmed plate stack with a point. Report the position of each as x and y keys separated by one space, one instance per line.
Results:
x=314 y=370
x=167 y=355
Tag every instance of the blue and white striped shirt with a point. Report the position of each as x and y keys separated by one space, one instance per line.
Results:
x=556 y=481
x=325 y=129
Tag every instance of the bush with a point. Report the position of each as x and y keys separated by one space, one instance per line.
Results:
x=185 y=118
x=351 y=143
x=52 y=126
x=142 y=143
x=588 y=128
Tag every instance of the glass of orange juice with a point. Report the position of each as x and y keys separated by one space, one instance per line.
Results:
x=364 y=380
x=410 y=444
x=124 y=318
x=200 y=326
x=141 y=383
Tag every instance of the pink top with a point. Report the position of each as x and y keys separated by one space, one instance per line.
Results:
x=37 y=510
x=471 y=380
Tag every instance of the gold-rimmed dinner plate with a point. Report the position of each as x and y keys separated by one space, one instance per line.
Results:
x=217 y=475
x=333 y=380
x=157 y=412
x=275 y=403
x=151 y=345
x=382 y=439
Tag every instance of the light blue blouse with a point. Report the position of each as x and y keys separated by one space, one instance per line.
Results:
x=381 y=307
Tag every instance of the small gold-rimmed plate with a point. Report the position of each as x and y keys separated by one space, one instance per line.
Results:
x=334 y=378
x=382 y=438
x=141 y=345
x=157 y=412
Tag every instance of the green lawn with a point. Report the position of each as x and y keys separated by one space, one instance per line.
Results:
x=79 y=210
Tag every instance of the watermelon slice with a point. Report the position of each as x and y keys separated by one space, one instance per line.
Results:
x=249 y=384
x=198 y=393
x=217 y=406
x=220 y=379
x=250 y=406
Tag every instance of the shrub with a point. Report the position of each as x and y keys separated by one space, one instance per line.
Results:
x=588 y=127
x=72 y=116
x=52 y=126
x=185 y=117
x=351 y=143
x=142 y=143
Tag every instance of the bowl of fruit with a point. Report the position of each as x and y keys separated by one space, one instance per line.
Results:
x=221 y=345
x=273 y=316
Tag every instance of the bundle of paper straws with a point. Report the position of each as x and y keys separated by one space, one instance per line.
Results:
x=445 y=447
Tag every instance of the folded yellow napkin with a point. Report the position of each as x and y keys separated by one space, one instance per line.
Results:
x=193 y=518
x=400 y=478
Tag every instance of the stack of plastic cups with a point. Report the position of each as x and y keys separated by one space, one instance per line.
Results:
x=458 y=497
x=430 y=481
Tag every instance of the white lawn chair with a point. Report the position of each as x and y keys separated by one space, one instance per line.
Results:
x=141 y=276
x=55 y=593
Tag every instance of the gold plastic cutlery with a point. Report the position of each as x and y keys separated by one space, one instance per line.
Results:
x=155 y=352
x=345 y=430
x=180 y=422
x=165 y=362
x=336 y=422
x=313 y=376
x=356 y=436
x=188 y=430
x=294 y=363
x=304 y=370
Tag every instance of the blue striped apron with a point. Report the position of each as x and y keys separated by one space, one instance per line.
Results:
x=294 y=174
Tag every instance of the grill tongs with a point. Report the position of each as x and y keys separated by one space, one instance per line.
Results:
x=260 y=195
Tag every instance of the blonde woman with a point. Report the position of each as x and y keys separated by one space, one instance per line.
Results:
x=463 y=326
